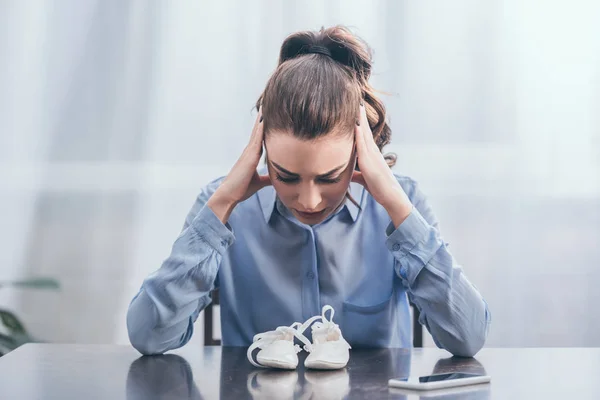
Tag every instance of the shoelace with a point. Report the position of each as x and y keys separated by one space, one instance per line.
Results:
x=261 y=340
x=323 y=326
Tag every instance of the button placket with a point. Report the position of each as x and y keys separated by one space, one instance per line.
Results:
x=310 y=283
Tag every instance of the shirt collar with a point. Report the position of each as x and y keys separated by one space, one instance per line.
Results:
x=356 y=191
x=267 y=198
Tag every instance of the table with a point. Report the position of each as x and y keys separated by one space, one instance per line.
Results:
x=63 y=371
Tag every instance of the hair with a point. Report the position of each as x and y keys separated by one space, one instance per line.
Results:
x=312 y=94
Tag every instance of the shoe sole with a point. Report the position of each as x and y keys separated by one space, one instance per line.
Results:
x=275 y=363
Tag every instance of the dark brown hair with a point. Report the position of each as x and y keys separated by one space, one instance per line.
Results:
x=312 y=94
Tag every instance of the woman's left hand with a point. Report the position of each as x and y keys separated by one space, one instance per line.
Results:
x=376 y=176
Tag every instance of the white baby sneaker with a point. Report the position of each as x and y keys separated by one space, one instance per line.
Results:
x=329 y=349
x=277 y=347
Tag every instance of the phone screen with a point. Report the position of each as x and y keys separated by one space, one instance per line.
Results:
x=446 y=377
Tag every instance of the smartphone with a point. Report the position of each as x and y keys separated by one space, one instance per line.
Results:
x=439 y=381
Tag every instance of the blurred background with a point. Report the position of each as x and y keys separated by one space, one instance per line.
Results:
x=113 y=115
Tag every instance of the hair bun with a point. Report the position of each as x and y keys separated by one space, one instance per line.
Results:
x=338 y=42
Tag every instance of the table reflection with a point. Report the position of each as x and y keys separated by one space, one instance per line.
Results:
x=161 y=377
x=366 y=375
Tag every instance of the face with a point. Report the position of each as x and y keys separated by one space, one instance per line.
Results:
x=311 y=178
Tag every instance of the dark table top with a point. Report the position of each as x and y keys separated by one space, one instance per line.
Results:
x=61 y=371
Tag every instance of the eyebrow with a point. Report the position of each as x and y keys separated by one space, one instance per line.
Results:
x=327 y=174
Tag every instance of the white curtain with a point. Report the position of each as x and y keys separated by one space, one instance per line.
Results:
x=113 y=114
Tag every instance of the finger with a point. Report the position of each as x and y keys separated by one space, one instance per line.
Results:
x=256 y=138
x=357 y=177
x=359 y=139
x=363 y=114
x=366 y=129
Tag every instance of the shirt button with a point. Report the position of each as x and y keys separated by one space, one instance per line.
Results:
x=310 y=275
x=396 y=247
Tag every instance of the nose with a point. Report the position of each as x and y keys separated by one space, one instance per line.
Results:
x=309 y=198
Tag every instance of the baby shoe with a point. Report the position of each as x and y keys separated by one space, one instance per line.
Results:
x=329 y=349
x=277 y=347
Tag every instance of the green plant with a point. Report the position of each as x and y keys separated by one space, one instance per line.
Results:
x=14 y=333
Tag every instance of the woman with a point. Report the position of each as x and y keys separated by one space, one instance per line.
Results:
x=327 y=222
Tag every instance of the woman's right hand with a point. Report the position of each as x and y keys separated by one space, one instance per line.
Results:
x=243 y=180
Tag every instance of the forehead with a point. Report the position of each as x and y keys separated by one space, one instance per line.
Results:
x=312 y=157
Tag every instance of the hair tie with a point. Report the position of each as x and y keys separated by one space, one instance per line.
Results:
x=319 y=50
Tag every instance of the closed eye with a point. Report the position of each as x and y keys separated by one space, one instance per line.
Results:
x=287 y=180
x=329 y=181
x=294 y=180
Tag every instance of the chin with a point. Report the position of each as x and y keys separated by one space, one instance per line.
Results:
x=311 y=221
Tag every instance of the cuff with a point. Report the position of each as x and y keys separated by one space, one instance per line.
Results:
x=210 y=229
x=410 y=232
x=416 y=237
